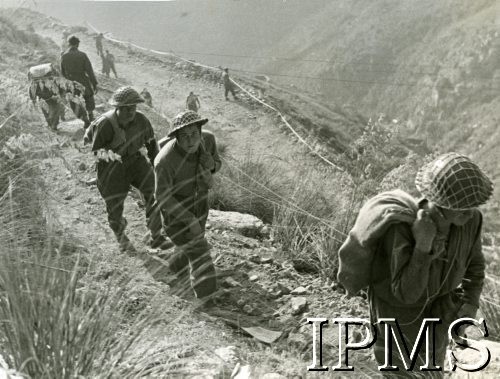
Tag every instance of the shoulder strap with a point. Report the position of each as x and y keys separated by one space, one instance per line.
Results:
x=119 y=137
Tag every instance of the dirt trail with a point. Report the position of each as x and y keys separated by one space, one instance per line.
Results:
x=245 y=300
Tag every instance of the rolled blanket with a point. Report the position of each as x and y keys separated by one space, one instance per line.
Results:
x=358 y=251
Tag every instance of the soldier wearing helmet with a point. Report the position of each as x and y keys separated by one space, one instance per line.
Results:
x=75 y=65
x=427 y=260
x=228 y=85
x=125 y=146
x=183 y=173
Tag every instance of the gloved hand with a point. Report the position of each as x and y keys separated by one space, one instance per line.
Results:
x=95 y=90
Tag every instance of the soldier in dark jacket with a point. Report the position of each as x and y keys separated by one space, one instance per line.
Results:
x=124 y=143
x=75 y=65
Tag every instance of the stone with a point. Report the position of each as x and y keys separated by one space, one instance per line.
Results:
x=266 y=260
x=299 y=291
x=299 y=304
x=284 y=289
x=272 y=375
x=255 y=258
x=228 y=354
x=244 y=224
x=248 y=309
x=82 y=166
x=254 y=278
x=91 y=182
x=231 y=282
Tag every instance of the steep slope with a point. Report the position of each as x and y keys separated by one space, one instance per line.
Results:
x=431 y=65
x=185 y=342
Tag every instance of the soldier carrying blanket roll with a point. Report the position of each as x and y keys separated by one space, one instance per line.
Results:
x=420 y=258
x=52 y=91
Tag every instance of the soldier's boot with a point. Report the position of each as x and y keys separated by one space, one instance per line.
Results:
x=160 y=242
x=125 y=245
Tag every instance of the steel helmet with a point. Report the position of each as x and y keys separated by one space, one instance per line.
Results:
x=184 y=119
x=124 y=96
x=453 y=181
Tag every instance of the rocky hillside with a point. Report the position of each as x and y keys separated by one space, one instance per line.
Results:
x=268 y=289
x=433 y=65
x=258 y=324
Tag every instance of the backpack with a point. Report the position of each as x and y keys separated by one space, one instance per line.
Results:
x=374 y=219
x=46 y=76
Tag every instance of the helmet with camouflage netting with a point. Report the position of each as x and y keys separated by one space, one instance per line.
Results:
x=453 y=181
x=184 y=119
x=125 y=96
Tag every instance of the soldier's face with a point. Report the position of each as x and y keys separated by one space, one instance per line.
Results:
x=189 y=138
x=126 y=114
x=458 y=218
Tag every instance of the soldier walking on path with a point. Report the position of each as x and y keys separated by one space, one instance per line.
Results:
x=147 y=97
x=426 y=257
x=183 y=174
x=228 y=85
x=75 y=65
x=124 y=143
x=193 y=102
x=98 y=44
x=110 y=60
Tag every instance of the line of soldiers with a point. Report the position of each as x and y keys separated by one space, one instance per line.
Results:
x=174 y=181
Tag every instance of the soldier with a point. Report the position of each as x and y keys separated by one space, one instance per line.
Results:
x=110 y=60
x=75 y=65
x=423 y=250
x=193 y=102
x=98 y=44
x=183 y=174
x=228 y=85
x=125 y=145
x=147 y=97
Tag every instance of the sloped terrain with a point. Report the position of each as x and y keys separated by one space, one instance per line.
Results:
x=431 y=65
x=256 y=282
x=260 y=287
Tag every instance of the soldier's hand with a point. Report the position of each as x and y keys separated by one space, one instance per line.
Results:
x=95 y=90
x=424 y=231
x=467 y=310
x=206 y=159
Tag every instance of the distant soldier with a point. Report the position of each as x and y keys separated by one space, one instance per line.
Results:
x=75 y=65
x=147 y=97
x=183 y=174
x=110 y=60
x=98 y=44
x=124 y=143
x=193 y=102
x=228 y=85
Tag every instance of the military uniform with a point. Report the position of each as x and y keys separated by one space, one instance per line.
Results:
x=228 y=85
x=182 y=184
x=75 y=65
x=115 y=176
